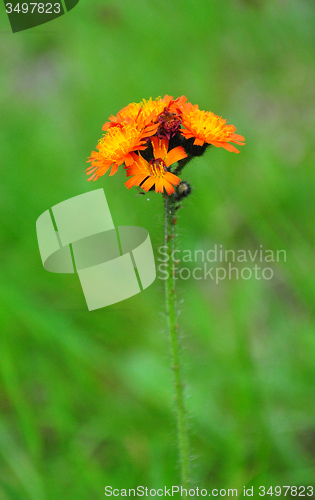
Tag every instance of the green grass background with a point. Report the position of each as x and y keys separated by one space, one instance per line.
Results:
x=86 y=397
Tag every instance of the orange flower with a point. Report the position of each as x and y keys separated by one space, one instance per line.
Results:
x=207 y=127
x=155 y=172
x=167 y=119
x=146 y=111
x=126 y=115
x=116 y=146
x=142 y=113
x=159 y=105
x=175 y=105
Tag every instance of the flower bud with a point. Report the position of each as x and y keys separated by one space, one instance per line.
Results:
x=182 y=190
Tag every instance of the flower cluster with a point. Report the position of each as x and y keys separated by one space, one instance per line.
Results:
x=151 y=136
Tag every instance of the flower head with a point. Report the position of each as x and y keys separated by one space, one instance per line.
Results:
x=147 y=111
x=144 y=112
x=168 y=123
x=116 y=146
x=128 y=114
x=140 y=115
x=156 y=172
x=206 y=127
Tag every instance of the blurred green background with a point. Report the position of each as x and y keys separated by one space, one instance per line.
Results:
x=86 y=397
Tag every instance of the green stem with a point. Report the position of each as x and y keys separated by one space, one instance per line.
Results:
x=171 y=309
x=181 y=164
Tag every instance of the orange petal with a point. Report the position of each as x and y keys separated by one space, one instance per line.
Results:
x=103 y=167
x=160 y=147
x=148 y=183
x=150 y=130
x=239 y=137
x=106 y=126
x=174 y=155
x=140 y=166
x=133 y=170
x=198 y=142
x=226 y=146
x=168 y=187
x=159 y=188
x=94 y=154
x=128 y=159
x=186 y=134
x=172 y=178
x=167 y=99
x=134 y=181
x=92 y=177
x=229 y=147
x=90 y=169
x=238 y=142
x=114 y=169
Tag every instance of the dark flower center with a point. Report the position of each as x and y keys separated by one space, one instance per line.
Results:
x=169 y=124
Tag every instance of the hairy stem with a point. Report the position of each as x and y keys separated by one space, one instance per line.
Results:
x=171 y=309
x=181 y=164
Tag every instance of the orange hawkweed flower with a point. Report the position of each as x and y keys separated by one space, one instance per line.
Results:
x=174 y=105
x=116 y=146
x=207 y=127
x=167 y=122
x=159 y=104
x=126 y=115
x=146 y=111
x=156 y=173
x=142 y=113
